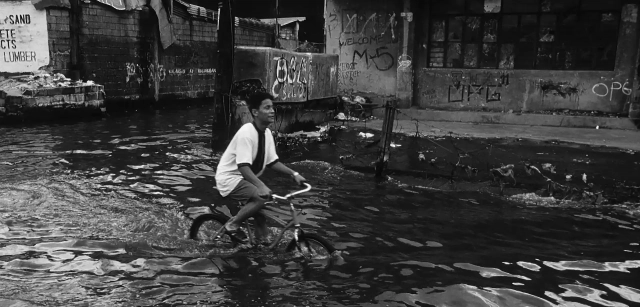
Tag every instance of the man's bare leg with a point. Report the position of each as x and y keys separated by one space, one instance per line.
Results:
x=253 y=206
x=261 y=229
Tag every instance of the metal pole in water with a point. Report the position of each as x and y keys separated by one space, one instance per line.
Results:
x=385 y=142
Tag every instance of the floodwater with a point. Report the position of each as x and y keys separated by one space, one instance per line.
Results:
x=96 y=214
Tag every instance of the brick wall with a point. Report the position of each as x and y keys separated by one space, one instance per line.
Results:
x=59 y=39
x=250 y=37
x=190 y=63
x=116 y=51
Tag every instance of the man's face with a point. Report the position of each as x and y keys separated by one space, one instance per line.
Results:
x=265 y=114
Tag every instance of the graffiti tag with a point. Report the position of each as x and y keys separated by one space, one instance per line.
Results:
x=603 y=90
x=381 y=59
x=290 y=81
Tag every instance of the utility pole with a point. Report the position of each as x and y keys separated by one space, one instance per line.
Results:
x=224 y=72
x=385 y=142
x=277 y=29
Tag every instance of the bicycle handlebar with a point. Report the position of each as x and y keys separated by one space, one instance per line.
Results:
x=308 y=187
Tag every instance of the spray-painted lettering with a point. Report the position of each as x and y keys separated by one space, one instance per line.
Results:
x=603 y=90
x=290 y=81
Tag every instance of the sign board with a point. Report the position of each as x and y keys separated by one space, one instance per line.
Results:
x=24 y=40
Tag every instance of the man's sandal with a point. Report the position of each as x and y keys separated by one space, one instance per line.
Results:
x=231 y=231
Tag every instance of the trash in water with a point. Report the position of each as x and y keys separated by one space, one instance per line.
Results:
x=365 y=135
x=549 y=167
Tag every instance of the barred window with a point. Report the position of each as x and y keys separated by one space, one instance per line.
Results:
x=524 y=34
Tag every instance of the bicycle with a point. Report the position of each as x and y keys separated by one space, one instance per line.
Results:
x=209 y=227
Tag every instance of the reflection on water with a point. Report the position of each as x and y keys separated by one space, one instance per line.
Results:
x=97 y=213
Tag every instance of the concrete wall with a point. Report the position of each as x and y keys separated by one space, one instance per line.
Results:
x=288 y=76
x=366 y=35
x=521 y=90
x=534 y=90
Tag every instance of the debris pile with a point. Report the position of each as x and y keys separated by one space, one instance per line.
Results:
x=27 y=95
x=17 y=85
x=300 y=138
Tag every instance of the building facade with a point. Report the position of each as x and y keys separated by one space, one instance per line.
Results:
x=492 y=55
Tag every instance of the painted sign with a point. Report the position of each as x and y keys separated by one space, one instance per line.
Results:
x=24 y=41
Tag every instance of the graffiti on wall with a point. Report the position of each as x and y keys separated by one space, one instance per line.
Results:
x=322 y=75
x=607 y=90
x=157 y=73
x=290 y=78
x=138 y=73
x=348 y=74
x=367 y=41
x=567 y=90
x=484 y=86
x=562 y=89
x=379 y=58
x=405 y=74
x=368 y=36
x=134 y=72
x=365 y=23
x=152 y=73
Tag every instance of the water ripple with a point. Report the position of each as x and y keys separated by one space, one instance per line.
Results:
x=590 y=265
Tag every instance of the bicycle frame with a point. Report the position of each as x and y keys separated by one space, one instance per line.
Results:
x=295 y=222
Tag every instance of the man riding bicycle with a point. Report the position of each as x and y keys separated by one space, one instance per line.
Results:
x=251 y=150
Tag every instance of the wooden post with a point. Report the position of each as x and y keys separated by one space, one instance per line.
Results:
x=75 y=24
x=385 y=142
x=155 y=47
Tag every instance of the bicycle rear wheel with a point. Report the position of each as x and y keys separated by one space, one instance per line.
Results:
x=311 y=246
x=206 y=225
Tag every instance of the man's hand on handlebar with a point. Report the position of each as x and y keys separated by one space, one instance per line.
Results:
x=264 y=192
x=299 y=179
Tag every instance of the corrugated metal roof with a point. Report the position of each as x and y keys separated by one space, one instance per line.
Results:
x=254 y=24
x=196 y=11
x=283 y=21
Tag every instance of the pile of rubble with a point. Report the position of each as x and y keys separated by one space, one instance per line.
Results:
x=19 y=84
x=42 y=90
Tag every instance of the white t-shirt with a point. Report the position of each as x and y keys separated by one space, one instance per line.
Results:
x=243 y=150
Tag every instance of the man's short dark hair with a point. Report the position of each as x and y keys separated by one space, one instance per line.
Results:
x=256 y=99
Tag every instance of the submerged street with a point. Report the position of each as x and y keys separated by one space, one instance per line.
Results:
x=97 y=213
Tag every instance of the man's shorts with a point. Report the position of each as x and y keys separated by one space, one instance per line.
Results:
x=243 y=192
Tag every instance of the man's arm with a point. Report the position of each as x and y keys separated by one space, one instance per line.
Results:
x=247 y=173
x=278 y=166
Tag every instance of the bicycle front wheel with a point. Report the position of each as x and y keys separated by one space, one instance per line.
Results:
x=311 y=246
x=206 y=225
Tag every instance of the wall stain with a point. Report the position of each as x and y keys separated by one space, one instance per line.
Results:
x=562 y=89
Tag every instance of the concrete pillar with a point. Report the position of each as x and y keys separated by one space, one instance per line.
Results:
x=634 y=104
x=627 y=53
x=404 y=80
